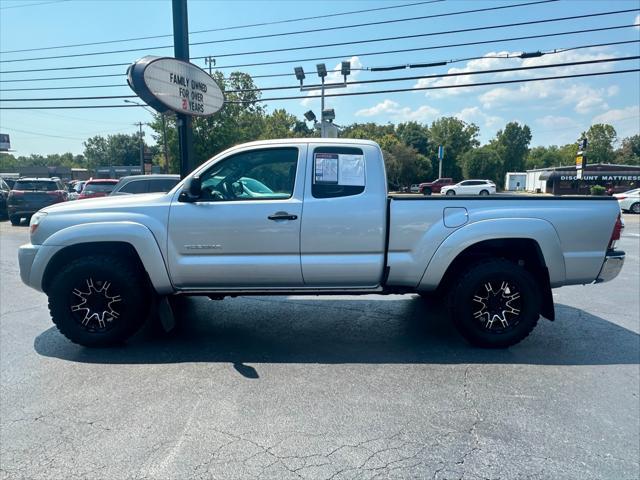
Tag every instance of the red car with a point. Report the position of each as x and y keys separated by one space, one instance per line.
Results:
x=434 y=187
x=97 y=188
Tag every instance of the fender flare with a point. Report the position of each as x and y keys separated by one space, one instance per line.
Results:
x=541 y=231
x=135 y=234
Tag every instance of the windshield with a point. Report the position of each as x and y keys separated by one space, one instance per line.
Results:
x=35 y=186
x=98 y=188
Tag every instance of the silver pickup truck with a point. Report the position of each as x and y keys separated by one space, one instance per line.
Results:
x=313 y=216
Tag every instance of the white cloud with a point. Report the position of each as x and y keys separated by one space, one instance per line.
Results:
x=618 y=114
x=637 y=22
x=382 y=107
x=393 y=111
x=475 y=115
x=334 y=77
x=557 y=94
x=552 y=122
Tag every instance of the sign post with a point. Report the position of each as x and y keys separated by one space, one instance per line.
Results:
x=581 y=158
x=181 y=51
x=440 y=157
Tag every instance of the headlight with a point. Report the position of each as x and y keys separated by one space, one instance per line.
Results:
x=36 y=218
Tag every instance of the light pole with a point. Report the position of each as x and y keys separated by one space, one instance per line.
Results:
x=164 y=132
x=327 y=128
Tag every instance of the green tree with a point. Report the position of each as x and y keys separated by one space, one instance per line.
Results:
x=118 y=149
x=601 y=137
x=629 y=152
x=483 y=162
x=280 y=124
x=404 y=164
x=542 y=157
x=512 y=145
x=368 y=131
x=568 y=154
x=457 y=137
x=414 y=135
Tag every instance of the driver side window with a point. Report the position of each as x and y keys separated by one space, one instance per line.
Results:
x=267 y=174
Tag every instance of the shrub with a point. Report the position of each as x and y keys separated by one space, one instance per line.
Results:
x=598 y=190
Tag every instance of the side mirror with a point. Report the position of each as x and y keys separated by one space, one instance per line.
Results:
x=192 y=190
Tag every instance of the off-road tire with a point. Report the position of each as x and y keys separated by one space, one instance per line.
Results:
x=125 y=279
x=15 y=221
x=462 y=306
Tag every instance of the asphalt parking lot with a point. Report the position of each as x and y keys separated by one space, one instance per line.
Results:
x=324 y=388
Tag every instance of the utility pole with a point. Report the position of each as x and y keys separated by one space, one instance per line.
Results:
x=164 y=143
x=181 y=50
x=211 y=62
x=141 y=145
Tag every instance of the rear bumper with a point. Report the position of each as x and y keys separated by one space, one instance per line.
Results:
x=611 y=266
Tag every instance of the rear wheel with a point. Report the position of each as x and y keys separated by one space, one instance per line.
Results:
x=484 y=193
x=635 y=208
x=495 y=304
x=98 y=301
x=15 y=221
x=451 y=192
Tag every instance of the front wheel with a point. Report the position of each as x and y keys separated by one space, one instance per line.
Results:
x=98 y=301
x=450 y=192
x=15 y=221
x=495 y=304
x=635 y=208
x=426 y=191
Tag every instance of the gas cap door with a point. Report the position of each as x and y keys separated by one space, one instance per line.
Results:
x=455 y=217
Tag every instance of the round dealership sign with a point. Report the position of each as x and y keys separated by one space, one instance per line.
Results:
x=166 y=83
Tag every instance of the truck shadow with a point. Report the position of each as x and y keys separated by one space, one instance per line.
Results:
x=376 y=330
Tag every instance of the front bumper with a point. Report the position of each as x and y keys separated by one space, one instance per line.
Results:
x=26 y=255
x=611 y=266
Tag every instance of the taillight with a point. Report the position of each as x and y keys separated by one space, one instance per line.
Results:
x=620 y=197
x=617 y=232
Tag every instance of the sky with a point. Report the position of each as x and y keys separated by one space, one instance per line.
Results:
x=557 y=111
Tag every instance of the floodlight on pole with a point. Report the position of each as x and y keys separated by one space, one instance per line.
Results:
x=310 y=116
x=346 y=69
x=299 y=74
x=322 y=70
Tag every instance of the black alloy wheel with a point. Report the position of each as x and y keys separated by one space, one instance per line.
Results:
x=495 y=303
x=99 y=300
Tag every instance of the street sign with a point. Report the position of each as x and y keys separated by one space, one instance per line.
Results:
x=440 y=152
x=5 y=142
x=166 y=83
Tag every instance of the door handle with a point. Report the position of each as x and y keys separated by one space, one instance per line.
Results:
x=282 y=216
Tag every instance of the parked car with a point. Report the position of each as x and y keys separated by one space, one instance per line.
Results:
x=10 y=181
x=629 y=201
x=29 y=195
x=4 y=194
x=470 y=187
x=145 y=184
x=414 y=188
x=434 y=187
x=97 y=188
x=104 y=264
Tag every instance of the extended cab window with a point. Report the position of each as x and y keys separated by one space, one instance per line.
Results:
x=337 y=172
x=267 y=174
x=136 y=186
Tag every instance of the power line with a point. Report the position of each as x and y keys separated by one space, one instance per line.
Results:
x=234 y=27
x=355 y=42
x=361 y=54
x=284 y=34
x=433 y=47
x=460 y=74
x=441 y=87
x=370 y=69
x=362 y=82
x=372 y=92
x=40 y=134
x=22 y=5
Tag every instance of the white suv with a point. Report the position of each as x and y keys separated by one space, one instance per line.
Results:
x=470 y=187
